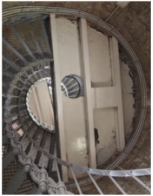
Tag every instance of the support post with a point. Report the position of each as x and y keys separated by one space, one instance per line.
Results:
x=58 y=95
x=88 y=93
x=116 y=76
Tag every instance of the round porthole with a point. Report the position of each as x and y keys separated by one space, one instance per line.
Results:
x=72 y=86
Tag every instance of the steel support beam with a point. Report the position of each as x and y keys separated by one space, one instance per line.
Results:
x=11 y=64
x=116 y=76
x=8 y=74
x=22 y=41
x=58 y=96
x=15 y=51
x=88 y=93
x=37 y=44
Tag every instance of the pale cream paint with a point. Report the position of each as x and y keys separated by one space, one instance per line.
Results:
x=87 y=93
x=105 y=123
x=40 y=103
x=101 y=74
x=59 y=107
x=99 y=59
x=74 y=109
x=116 y=82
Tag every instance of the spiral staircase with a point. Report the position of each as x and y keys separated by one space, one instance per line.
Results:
x=32 y=162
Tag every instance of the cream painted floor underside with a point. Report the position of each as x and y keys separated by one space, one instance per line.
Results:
x=101 y=76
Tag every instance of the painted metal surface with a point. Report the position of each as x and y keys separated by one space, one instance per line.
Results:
x=16 y=33
x=116 y=79
x=100 y=68
x=73 y=109
x=88 y=93
x=29 y=9
x=9 y=157
x=16 y=181
x=62 y=138
x=105 y=96
x=42 y=110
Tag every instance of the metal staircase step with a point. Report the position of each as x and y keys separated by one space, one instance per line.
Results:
x=15 y=181
x=34 y=190
x=9 y=157
x=5 y=139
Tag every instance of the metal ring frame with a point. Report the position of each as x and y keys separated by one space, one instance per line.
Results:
x=22 y=10
x=50 y=128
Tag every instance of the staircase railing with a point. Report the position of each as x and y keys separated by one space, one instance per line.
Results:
x=40 y=176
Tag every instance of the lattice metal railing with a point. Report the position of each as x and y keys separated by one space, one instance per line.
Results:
x=15 y=107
